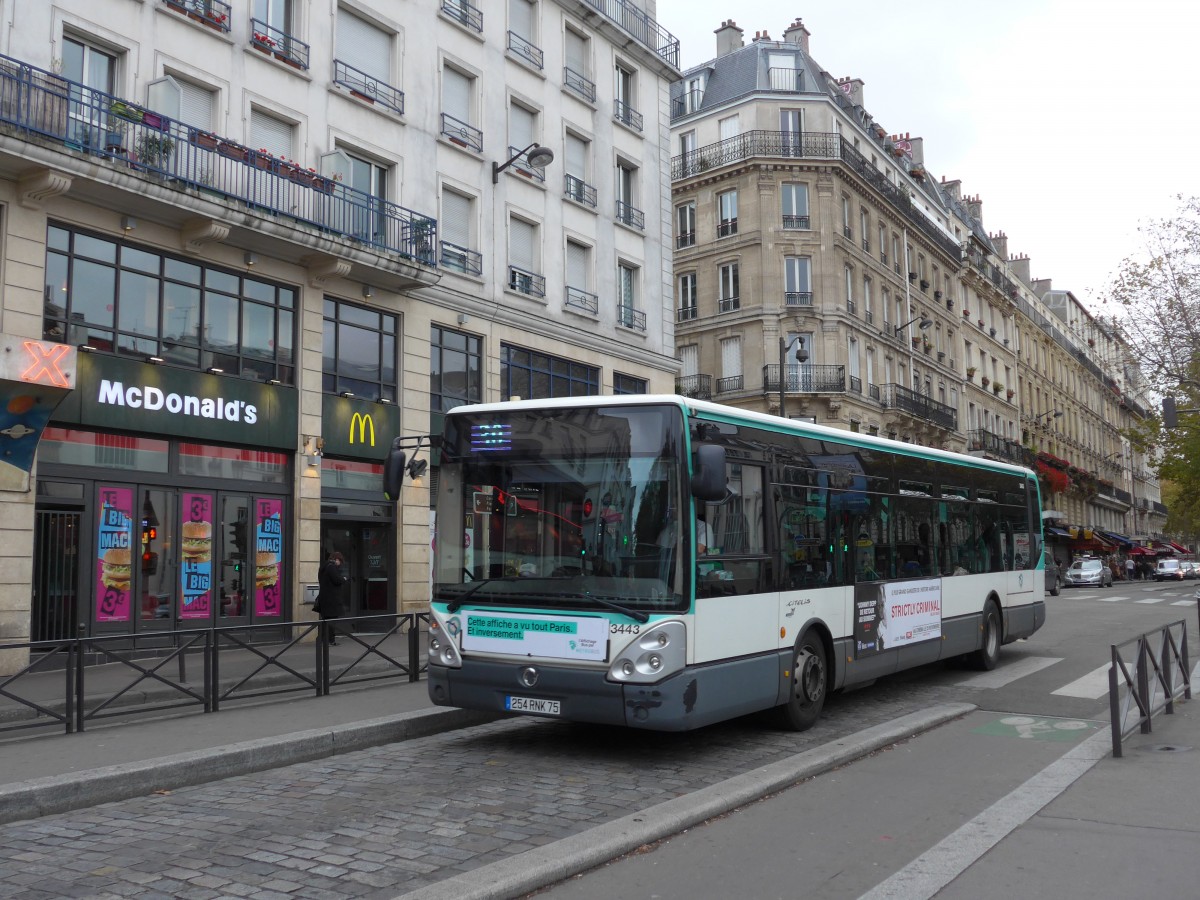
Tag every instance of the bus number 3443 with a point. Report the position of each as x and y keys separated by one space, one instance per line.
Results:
x=616 y=628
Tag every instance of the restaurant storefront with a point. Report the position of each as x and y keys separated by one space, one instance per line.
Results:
x=164 y=500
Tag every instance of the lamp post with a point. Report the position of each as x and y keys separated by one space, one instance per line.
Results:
x=539 y=157
x=923 y=322
x=801 y=356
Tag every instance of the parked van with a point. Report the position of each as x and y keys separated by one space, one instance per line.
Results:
x=1168 y=568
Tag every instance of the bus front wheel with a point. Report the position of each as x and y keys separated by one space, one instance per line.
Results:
x=986 y=657
x=809 y=685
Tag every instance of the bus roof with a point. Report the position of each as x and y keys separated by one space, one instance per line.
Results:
x=719 y=411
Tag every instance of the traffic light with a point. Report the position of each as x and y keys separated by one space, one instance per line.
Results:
x=393 y=473
x=1169 y=413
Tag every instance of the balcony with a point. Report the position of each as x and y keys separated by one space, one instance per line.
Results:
x=631 y=216
x=628 y=317
x=685 y=239
x=585 y=301
x=524 y=49
x=729 y=304
x=697 y=387
x=730 y=384
x=686 y=103
x=579 y=190
x=645 y=30
x=525 y=282
x=459 y=132
x=460 y=259
x=275 y=42
x=795 y=223
x=686 y=313
x=370 y=90
x=578 y=84
x=798 y=298
x=139 y=142
x=785 y=79
x=213 y=13
x=804 y=378
x=983 y=441
x=627 y=115
x=464 y=13
x=726 y=227
x=855 y=384
x=897 y=396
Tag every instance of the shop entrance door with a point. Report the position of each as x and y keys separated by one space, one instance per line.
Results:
x=366 y=547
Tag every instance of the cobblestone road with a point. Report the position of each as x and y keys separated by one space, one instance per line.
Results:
x=381 y=822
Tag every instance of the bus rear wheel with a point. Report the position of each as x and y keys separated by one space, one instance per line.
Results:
x=986 y=657
x=809 y=685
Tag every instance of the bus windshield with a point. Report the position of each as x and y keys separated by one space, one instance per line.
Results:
x=561 y=508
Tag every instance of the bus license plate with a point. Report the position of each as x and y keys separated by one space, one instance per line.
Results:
x=532 y=705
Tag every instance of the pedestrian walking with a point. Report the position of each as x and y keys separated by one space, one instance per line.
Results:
x=329 y=603
x=1130 y=567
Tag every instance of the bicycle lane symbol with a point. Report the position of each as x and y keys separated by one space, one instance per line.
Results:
x=1037 y=729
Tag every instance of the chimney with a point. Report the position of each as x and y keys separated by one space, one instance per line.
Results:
x=918 y=150
x=761 y=36
x=953 y=188
x=975 y=208
x=729 y=38
x=1020 y=268
x=796 y=33
x=852 y=88
x=1000 y=242
x=1041 y=286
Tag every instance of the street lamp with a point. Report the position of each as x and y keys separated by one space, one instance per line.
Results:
x=801 y=356
x=924 y=322
x=539 y=157
x=1057 y=413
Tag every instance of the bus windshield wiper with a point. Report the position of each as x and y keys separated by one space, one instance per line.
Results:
x=454 y=605
x=636 y=614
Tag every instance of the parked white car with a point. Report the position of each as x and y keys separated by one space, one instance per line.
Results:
x=1168 y=569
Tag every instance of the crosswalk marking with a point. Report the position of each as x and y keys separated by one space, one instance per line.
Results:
x=1151 y=600
x=1111 y=599
x=1184 y=603
x=1006 y=674
x=1091 y=686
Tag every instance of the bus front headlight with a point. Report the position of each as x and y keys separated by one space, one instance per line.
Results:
x=443 y=650
x=652 y=656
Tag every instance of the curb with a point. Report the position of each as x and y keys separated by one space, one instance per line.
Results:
x=79 y=790
x=543 y=866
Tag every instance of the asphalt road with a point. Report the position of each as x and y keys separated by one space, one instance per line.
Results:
x=392 y=819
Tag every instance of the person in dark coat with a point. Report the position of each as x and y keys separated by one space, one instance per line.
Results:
x=329 y=603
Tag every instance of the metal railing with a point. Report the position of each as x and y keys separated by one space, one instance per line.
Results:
x=805 y=378
x=525 y=282
x=580 y=84
x=797 y=298
x=729 y=304
x=644 y=29
x=367 y=87
x=213 y=13
x=791 y=223
x=581 y=299
x=628 y=317
x=464 y=13
x=575 y=188
x=155 y=671
x=686 y=313
x=278 y=43
x=627 y=115
x=525 y=49
x=685 y=103
x=685 y=239
x=1161 y=675
x=462 y=133
x=630 y=215
x=726 y=227
x=461 y=259
x=897 y=396
x=698 y=387
x=730 y=383
x=153 y=146
x=785 y=79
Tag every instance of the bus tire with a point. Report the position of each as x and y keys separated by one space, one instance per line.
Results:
x=809 y=685
x=986 y=657
x=1057 y=586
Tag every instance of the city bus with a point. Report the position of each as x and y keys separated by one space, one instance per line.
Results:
x=666 y=563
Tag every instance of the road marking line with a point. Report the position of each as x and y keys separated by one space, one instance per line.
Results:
x=1003 y=675
x=926 y=875
x=1091 y=686
x=1111 y=599
x=1184 y=603
x=1154 y=600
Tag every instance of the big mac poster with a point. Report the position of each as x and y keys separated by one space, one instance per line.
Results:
x=114 y=545
x=268 y=544
x=196 y=570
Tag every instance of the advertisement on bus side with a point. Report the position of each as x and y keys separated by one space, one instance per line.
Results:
x=893 y=614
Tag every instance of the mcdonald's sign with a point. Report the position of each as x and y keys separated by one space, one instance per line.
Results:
x=364 y=424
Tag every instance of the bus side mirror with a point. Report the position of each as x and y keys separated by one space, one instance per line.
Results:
x=708 y=479
x=393 y=473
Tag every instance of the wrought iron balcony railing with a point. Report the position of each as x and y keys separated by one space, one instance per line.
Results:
x=576 y=298
x=797 y=298
x=685 y=239
x=730 y=383
x=460 y=259
x=138 y=140
x=213 y=13
x=729 y=304
x=792 y=223
x=782 y=79
x=579 y=190
x=685 y=103
x=726 y=227
x=686 y=313
x=627 y=115
x=631 y=216
x=628 y=317
x=996 y=444
x=806 y=378
x=525 y=282
x=897 y=396
x=278 y=43
x=370 y=89
x=525 y=49
x=698 y=387
x=855 y=384
x=644 y=29
x=461 y=133
x=464 y=13
x=579 y=84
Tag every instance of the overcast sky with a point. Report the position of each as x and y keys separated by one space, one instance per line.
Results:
x=1073 y=121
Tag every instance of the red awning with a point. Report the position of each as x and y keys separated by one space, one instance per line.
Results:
x=1174 y=546
x=1141 y=551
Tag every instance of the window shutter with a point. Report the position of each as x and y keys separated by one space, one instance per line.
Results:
x=520 y=250
x=730 y=128
x=576 y=157
x=731 y=357
x=520 y=127
x=271 y=134
x=363 y=46
x=520 y=19
x=456 y=219
x=456 y=95
x=577 y=266
x=690 y=358
x=576 y=53
x=195 y=105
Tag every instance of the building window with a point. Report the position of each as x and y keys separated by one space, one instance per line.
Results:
x=364 y=61
x=138 y=302
x=92 y=68
x=577 y=68
x=534 y=376
x=575 y=184
x=522 y=259
x=687 y=297
x=627 y=211
x=625 y=102
x=850 y=308
x=458 y=91
x=629 y=384
x=455 y=369
x=846 y=229
x=627 y=313
x=359 y=351
x=727 y=208
x=729 y=297
x=864 y=229
x=522 y=32
x=795 y=205
x=367 y=220
x=731 y=364
x=579 y=294
x=685 y=225
x=797 y=281
x=457 y=228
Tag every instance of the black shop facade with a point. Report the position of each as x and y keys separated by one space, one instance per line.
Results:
x=164 y=501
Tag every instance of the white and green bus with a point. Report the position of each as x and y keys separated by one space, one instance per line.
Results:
x=666 y=563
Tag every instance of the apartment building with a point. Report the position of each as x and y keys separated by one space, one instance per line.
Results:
x=247 y=243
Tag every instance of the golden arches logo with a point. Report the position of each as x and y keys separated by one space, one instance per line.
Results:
x=363 y=421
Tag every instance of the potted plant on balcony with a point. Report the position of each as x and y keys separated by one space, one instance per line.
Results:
x=205 y=140
x=970 y=372
x=1010 y=393
x=966 y=314
x=154 y=150
x=985 y=381
x=997 y=387
x=260 y=40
